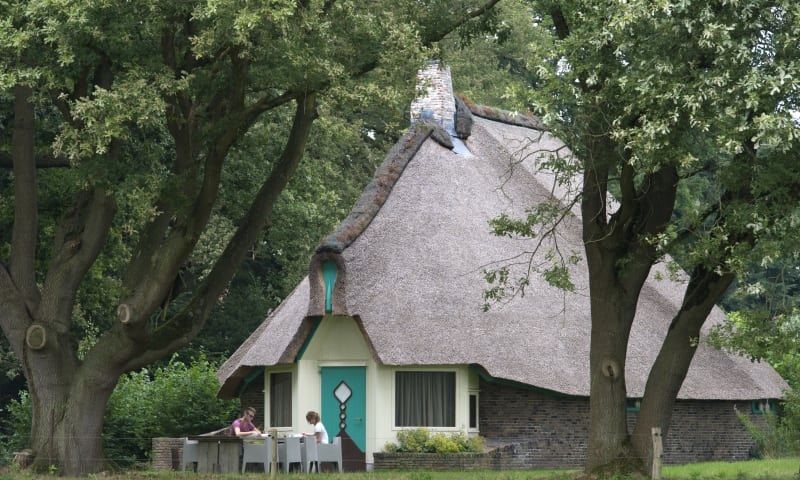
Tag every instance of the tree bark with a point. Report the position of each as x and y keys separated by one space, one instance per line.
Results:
x=69 y=404
x=23 y=237
x=672 y=363
x=619 y=262
x=68 y=398
x=612 y=317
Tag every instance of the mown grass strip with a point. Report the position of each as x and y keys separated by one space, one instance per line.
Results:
x=773 y=469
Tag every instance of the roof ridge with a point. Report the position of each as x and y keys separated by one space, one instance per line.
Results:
x=379 y=188
x=504 y=116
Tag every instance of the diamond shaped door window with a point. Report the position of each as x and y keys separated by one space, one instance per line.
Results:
x=342 y=392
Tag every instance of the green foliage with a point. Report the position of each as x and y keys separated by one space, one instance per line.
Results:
x=694 y=100
x=492 y=68
x=15 y=424
x=775 y=439
x=172 y=116
x=420 y=440
x=171 y=401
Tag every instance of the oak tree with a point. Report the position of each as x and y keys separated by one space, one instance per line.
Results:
x=682 y=128
x=132 y=109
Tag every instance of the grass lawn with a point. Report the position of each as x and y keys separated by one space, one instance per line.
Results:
x=781 y=469
x=787 y=468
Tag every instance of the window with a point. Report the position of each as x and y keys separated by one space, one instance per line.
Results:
x=760 y=407
x=633 y=404
x=473 y=411
x=280 y=399
x=425 y=399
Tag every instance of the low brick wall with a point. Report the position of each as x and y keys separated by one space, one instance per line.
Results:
x=166 y=453
x=431 y=461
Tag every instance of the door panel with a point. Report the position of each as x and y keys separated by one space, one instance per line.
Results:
x=344 y=403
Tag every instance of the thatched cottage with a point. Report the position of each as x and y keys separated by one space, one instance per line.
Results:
x=388 y=332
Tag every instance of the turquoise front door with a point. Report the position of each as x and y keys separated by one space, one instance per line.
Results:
x=344 y=408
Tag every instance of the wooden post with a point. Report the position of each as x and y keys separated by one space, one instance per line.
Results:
x=273 y=467
x=658 y=453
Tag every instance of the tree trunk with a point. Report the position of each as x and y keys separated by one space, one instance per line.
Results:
x=664 y=382
x=68 y=405
x=67 y=428
x=612 y=317
x=672 y=363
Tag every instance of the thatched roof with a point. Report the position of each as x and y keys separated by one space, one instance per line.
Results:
x=410 y=258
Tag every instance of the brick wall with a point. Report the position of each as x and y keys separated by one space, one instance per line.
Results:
x=552 y=431
x=502 y=458
x=437 y=85
x=166 y=454
x=431 y=461
x=253 y=396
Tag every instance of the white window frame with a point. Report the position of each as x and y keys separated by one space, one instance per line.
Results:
x=477 y=428
x=268 y=398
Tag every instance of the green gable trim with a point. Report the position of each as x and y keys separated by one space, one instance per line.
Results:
x=307 y=341
x=249 y=379
x=329 y=272
x=486 y=377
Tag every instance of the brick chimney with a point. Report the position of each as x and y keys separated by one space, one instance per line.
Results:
x=436 y=102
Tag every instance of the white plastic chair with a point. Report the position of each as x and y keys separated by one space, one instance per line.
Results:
x=309 y=454
x=189 y=453
x=330 y=452
x=289 y=452
x=257 y=452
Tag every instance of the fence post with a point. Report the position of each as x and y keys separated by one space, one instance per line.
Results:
x=658 y=453
x=273 y=467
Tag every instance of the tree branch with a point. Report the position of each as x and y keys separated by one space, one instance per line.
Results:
x=268 y=102
x=41 y=161
x=14 y=314
x=184 y=326
x=80 y=240
x=443 y=32
x=594 y=191
x=658 y=199
x=562 y=29
x=24 y=234
x=622 y=219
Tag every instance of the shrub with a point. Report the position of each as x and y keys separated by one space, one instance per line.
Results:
x=17 y=422
x=441 y=443
x=412 y=441
x=474 y=444
x=775 y=439
x=171 y=401
x=420 y=440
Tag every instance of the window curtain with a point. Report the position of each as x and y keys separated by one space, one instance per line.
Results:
x=280 y=399
x=425 y=399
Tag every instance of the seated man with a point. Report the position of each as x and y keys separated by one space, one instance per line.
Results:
x=244 y=427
